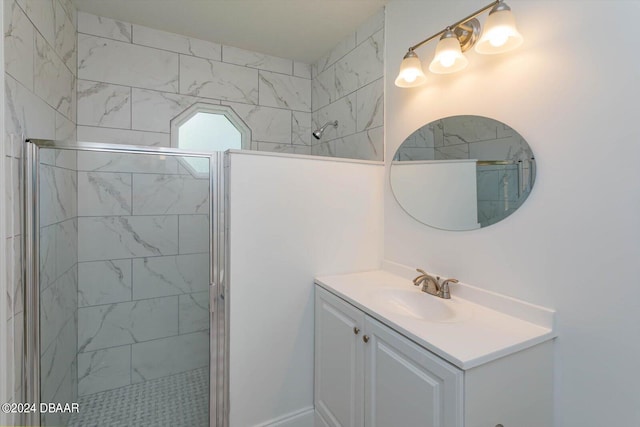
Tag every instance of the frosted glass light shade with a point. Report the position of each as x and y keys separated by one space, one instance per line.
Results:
x=411 y=74
x=500 y=33
x=448 y=57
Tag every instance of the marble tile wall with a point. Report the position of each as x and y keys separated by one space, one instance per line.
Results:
x=347 y=85
x=40 y=102
x=166 y=73
x=143 y=272
x=58 y=278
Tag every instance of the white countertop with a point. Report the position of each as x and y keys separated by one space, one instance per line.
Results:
x=481 y=335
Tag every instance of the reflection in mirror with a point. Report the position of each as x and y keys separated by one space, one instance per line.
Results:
x=462 y=172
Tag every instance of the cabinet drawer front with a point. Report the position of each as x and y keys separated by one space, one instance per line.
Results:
x=339 y=384
x=406 y=385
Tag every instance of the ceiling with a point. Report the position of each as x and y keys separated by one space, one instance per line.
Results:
x=303 y=30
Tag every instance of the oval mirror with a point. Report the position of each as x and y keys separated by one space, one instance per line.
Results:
x=462 y=173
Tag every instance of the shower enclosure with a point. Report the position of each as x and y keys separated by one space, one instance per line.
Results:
x=124 y=260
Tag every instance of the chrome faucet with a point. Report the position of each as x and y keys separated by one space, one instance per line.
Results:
x=432 y=285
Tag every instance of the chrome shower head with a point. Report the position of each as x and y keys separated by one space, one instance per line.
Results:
x=317 y=134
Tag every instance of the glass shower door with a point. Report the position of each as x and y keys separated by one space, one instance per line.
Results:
x=125 y=263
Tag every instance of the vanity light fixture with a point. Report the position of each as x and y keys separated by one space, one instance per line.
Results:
x=499 y=35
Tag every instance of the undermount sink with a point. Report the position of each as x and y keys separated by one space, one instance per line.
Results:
x=419 y=305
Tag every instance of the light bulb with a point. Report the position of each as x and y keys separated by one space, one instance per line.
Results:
x=498 y=38
x=447 y=60
x=448 y=57
x=500 y=33
x=410 y=76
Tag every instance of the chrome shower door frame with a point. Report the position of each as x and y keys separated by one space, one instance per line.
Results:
x=218 y=309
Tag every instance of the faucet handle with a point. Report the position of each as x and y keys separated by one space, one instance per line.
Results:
x=444 y=288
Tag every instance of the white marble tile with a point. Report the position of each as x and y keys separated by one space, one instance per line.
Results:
x=340 y=50
x=47 y=256
x=65 y=129
x=169 y=194
x=325 y=149
x=57 y=194
x=26 y=115
x=132 y=163
x=302 y=69
x=343 y=110
x=367 y=145
x=53 y=82
x=122 y=136
x=513 y=148
x=284 y=148
x=104 y=105
x=266 y=124
x=104 y=370
x=323 y=89
x=13 y=276
x=159 y=358
x=176 y=43
x=463 y=129
x=152 y=110
x=261 y=61
x=488 y=185
x=449 y=152
x=110 y=61
x=504 y=131
x=56 y=360
x=194 y=312
x=66 y=393
x=111 y=325
x=193 y=234
x=12 y=195
x=58 y=304
x=361 y=66
x=415 y=153
x=301 y=128
x=104 y=282
x=218 y=80
x=278 y=90
x=103 y=27
x=173 y=275
x=41 y=13
x=66 y=159
x=66 y=245
x=104 y=193
x=71 y=10
x=65 y=38
x=19 y=43
x=117 y=237
x=370 y=109
x=370 y=27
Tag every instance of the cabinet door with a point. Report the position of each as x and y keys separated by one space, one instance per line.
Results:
x=406 y=385
x=339 y=384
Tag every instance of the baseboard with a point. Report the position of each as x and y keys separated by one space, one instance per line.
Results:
x=301 y=418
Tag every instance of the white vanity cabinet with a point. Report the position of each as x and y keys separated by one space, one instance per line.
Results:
x=367 y=374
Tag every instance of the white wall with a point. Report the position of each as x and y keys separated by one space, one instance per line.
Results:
x=441 y=193
x=329 y=220
x=574 y=244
